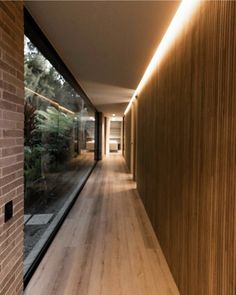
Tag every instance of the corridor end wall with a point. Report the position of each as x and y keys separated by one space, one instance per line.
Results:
x=186 y=151
x=11 y=145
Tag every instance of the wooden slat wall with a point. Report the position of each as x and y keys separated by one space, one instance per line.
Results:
x=127 y=140
x=186 y=152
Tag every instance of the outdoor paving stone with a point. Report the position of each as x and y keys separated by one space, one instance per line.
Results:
x=26 y=217
x=39 y=219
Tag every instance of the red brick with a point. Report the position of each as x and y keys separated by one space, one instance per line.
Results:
x=6 y=142
x=6 y=67
x=7 y=28
x=7 y=188
x=20 y=158
x=7 y=179
x=8 y=87
x=6 y=161
x=7 y=124
x=12 y=151
x=5 y=105
x=13 y=133
x=10 y=169
x=13 y=62
x=7 y=48
x=8 y=41
x=11 y=145
x=9 y=115
x=12 y=79
x=5 y=7
x=19 y=108
x=12 y=98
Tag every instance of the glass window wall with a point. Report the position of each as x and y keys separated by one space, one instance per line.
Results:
x=59 y=147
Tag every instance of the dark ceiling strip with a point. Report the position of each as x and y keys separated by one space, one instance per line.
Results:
x=33 y=31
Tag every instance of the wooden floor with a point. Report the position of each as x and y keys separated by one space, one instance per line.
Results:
x=106 y=245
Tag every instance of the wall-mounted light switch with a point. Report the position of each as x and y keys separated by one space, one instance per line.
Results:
x=8 y=211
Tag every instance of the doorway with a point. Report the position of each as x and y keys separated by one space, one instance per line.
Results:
x=114 y=135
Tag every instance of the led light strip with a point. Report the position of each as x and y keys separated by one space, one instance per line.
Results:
x=51 y=101
x=183 y=13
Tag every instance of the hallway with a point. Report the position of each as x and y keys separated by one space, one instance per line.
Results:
x=106 y=245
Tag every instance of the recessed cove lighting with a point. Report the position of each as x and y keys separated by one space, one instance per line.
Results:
x=184 y=12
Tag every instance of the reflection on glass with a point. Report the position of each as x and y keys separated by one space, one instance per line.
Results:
x=59 y=144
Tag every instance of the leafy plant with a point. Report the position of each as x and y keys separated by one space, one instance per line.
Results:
x=32 y=150
x=33 y=171
x=29 y=124
x=56 y=128
x=48 y=130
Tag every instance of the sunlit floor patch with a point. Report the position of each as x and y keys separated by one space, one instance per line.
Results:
x=26 y=217
x=39 y=219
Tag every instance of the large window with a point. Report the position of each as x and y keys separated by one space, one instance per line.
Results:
x=59 y=148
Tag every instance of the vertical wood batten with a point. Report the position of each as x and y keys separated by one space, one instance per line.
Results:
x=186 y=151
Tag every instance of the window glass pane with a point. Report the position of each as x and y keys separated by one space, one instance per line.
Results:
x=59 y=147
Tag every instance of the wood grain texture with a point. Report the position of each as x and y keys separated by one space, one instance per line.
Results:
x=127 y=140
x=186 y=152
x=106 y=246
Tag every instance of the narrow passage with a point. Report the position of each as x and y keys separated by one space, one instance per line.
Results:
x=106 y=245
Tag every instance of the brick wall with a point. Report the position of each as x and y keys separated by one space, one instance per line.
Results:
x=11 y=145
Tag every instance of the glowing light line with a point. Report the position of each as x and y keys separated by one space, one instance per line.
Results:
x=51 y=101
x=183 y=13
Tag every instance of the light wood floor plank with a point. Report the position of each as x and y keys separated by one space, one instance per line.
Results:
x=106 y=246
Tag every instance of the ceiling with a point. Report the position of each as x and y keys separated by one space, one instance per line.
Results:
x=107 y=45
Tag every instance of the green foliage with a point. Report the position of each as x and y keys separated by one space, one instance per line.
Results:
x=29 y=124
x=41 y=77
x=48 y=142
x=32 y=166
x=56 y=128
x=48 y=129
x=32 y=150
x=54 y=120
x=38 y=72
x=33 y=162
